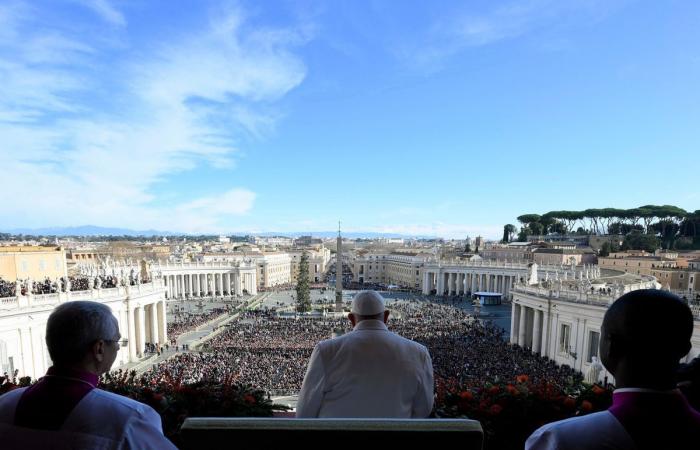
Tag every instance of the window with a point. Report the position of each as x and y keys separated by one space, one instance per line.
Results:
x=593 y=345
x=564 y=338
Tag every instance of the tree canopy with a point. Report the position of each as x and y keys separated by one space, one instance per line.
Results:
x=667 y=223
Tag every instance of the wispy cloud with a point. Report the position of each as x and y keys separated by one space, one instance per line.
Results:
x=461 y=30
x=106 y=11
x=89 y=131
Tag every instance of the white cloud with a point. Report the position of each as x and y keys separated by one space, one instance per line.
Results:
x=106 y=11
x=463 y=29
x=87 y=138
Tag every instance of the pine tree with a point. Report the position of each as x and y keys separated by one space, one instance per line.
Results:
x=303 y=296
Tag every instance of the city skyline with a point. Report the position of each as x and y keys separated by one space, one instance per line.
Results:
x=435 y=120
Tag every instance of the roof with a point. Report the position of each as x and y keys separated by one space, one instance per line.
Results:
x=560 y=251
x=29 y=249
x=519 y=244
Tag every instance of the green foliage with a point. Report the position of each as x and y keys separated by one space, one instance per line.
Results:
x=668 y=221
x=522 y=234
x=683 y=243
x=529 y=218
x=640 y=241
x=508 y=232
x=303 y=292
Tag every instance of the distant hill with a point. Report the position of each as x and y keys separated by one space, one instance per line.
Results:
x=88 y=230
x=92 y=230
x=347 y=235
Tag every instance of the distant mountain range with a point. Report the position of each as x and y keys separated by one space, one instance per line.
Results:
x=92 y=230
x=88 y=230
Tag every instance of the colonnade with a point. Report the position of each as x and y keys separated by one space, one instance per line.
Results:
x=526 y=327
x=202 y=284
x=446 y=282
x=147 y=324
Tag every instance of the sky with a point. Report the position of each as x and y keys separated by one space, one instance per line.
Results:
x=446 y=118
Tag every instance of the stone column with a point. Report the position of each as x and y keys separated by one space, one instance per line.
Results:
x=450 y=282
x=154 y=323
x=141 y=331
x=426 y=283
x=162 y=324
x=537 y=332
x=473 y=277
x=440 y=283
x=220 y=278
x=544 y=348
x=514 y=323
x=522 y=331
x=132 y=335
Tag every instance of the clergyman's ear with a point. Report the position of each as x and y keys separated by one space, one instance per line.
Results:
x=98 y=350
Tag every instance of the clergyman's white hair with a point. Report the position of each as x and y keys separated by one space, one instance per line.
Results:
x=73 y=326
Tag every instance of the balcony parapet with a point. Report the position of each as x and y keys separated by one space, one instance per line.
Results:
x=13 y=304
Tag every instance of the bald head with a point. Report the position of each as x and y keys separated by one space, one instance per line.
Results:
x=646 y=330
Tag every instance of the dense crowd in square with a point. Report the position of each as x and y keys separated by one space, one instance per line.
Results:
x=271 y=353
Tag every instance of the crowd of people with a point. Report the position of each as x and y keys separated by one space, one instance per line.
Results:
x=271 y=353
x=7 y=288
x=49 y=286
x=184 y=322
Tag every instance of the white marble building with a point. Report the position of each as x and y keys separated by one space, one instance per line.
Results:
x=202 y=279
x=457 y=277
x=139 y=309
x=562 y=321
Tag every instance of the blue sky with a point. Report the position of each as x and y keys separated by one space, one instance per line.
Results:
x=433 y=118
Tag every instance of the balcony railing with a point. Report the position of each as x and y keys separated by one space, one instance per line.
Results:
x=43 y=300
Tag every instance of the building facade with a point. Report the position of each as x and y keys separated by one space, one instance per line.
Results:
x=319 y=259
x=204 y=279
x=34 y=263
x=140 y=311
x=564 y=324
x=402 y=269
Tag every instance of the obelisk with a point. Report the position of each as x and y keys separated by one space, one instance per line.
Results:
x=339 y=273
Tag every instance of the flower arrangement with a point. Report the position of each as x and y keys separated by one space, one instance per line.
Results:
x=509 y=411
x=175 y=401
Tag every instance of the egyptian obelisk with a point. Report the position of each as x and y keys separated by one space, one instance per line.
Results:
x=339 y=273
